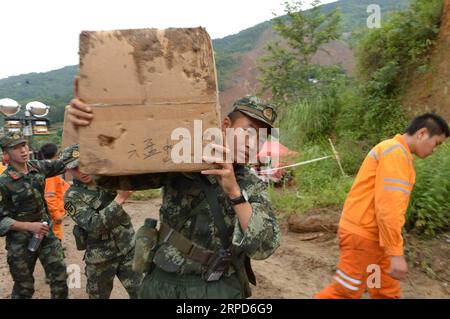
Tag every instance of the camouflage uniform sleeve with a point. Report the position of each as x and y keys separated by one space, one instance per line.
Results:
x=131 y=182
x=262 y=236
x=5 y=221
x=95 y=223
x=52 y=168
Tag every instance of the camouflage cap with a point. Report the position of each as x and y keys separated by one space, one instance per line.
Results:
x=257 y=109
x=11 y=139
x=70 y=155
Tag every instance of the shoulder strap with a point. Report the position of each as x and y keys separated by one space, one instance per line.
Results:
x=211 y=197
x=240 y=260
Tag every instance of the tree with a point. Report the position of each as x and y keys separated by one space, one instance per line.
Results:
x=286 y=70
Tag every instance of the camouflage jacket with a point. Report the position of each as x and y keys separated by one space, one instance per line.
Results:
x=186 y=209
x=22 y=195
x=108 y=227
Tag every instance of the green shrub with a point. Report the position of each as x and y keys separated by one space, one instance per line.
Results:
x=429 y=209
x=400 y=45
x=307 y=121
x=386 y=59
x=313 y=118
x=352 y=154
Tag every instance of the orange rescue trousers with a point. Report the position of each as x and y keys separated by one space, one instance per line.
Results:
x=362 y=264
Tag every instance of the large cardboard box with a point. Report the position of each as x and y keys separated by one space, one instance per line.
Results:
x=143 y=84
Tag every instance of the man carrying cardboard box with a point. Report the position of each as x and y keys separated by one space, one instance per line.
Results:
x=104 y=230
x=212 y=222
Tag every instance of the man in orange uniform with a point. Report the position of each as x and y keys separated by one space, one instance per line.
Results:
x=2 y=168
x=370 y=229
x=55 y=188
x=4 y=162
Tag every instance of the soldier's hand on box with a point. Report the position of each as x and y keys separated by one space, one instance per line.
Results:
x=79 y=113
x=224 y=175
x=38 y=228
x=227 y=180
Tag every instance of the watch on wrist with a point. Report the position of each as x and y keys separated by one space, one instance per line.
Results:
x=240 y=199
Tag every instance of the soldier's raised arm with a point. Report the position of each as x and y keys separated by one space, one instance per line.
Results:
x=52 y=168
x=93 y=221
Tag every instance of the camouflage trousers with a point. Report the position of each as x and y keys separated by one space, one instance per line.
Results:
x=22 y=263
x=100 y=277
x=163 y=285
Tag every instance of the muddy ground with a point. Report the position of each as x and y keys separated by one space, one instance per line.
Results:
x=301 y=266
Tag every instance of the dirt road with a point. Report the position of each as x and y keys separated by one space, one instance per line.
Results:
x=298 y=269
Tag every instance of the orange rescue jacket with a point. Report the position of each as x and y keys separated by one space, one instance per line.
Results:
x=54 y=195
x=376 y=205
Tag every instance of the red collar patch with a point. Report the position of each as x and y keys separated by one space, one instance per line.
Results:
x=14 y=175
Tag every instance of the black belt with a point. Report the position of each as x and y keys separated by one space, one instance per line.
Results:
x=184 y=245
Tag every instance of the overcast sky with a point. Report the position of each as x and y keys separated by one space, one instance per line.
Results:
x=42 y=35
